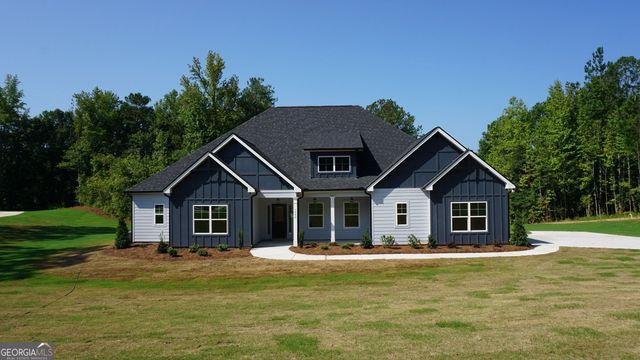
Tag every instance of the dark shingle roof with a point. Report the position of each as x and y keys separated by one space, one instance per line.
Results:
x=281 y=135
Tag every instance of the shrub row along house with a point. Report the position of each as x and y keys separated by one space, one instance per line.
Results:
x=331 y=172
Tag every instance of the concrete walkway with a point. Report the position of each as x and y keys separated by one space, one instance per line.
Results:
x=10 y=213
x=545 y=242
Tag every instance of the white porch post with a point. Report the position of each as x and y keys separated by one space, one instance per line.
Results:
x=295 y=221
x=333 y=218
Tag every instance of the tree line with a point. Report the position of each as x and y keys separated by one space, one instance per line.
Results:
x=105 y=144
x=577 y=153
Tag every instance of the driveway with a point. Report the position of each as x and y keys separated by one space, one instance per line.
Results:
x=584 y=239
x=10 y=213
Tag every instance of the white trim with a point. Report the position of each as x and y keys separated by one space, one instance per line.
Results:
x=406 y=203
x=250 y=188
x=416 y=147
x=296 y=188
x=337 y=193
x=210 y=219
x=156 y=214
x=344 y=214
x=333 y=157
x=277 y=194
x=508 y=185
x=332 y=218
x=469 y=216
x=294 y=205
x=309 y=215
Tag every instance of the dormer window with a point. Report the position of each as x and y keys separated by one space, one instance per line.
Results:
x=334 y=164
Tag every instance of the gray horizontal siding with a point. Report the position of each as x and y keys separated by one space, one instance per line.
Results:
x=383 y=202
x=144 y=227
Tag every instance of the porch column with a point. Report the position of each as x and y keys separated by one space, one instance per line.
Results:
x=295 y=221
x=333 y=218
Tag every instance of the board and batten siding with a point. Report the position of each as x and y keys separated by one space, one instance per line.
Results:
x=144 y=227
x=470 y=181
x=383 y=214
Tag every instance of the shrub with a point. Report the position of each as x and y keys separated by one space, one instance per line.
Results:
x=333 y=243
x=203 y=252
x=324 y=247
x=451 y=244
x=300 y=238
x=223 y=247
x=240 y=239
x=172 y=252
x=414 y=242
x=122 y=235
x=366 y=241
x=194 y=248
x=350 y=244
x=346 y=246
x=163 y=247
x=313 y=244
x=388 y=240
x=431 y=242
x=518 y=233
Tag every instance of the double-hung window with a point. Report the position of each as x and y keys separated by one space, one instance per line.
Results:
x=329 y=164
x=316 y=215
x=469 y=216
x=351 y=214
x=158 y=214
x=402 y=214
x=210 y=220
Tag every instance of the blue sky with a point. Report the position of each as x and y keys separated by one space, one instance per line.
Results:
x=451 y=64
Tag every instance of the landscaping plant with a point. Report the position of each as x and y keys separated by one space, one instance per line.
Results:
x=163 y=247
x=172 y=252
x=324 y=247
x=122 y=235
x=431 y=242
x=414 y=242
x=333 y=243
x=203 y=252
x=387 y=240
x=194 y=248
x=300 y=238
x=366 y=242
x=346 y=246
x=240 y=239
x=223 y=247
x=518 y=233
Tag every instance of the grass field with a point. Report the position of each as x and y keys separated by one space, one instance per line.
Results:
x=629 y=227
x=576 y=303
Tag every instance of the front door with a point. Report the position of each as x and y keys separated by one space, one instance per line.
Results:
x=279 y=221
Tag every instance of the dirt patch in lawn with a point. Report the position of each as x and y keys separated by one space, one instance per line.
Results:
x=95 y=211
x=148 y=252
x=402 y=249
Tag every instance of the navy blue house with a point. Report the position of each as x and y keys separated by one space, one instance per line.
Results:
x=332 y=172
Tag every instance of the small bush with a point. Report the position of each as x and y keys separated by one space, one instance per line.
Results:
x=451 y=244
x=301 y=238
x=223 y=247
x=324 y=247
x=172 y=252
x=333 y=243
x=240 y=239
x=163 y=247
x=518 y=233
x=414 y=242
x=194 y=248
x=366 y=242
x=388 y=240
x=346 y=246
x=203 y=252
x=122 y=235
x=313 y=244
x=431 y=242
x=350 y=244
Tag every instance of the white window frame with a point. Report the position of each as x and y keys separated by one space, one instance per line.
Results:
x=210 y=219
x=333 y=162
x=309 y=215
x=344 y=214
x=406 y=203
x=155 y=214
x=469 y=216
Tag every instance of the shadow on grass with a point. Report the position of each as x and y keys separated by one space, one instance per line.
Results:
x=26 y=249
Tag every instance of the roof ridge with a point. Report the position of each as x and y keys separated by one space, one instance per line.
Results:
x=311 y=106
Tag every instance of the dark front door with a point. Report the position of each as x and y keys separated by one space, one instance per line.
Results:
x=279 y=221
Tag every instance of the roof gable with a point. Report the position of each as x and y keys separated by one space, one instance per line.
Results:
x=467 y=154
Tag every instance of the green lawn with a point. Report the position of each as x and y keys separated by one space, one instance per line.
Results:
x=577 y=303
x=629 y=227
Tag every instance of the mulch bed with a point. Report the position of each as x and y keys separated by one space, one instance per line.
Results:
x=403 y=249
x=148 y=252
